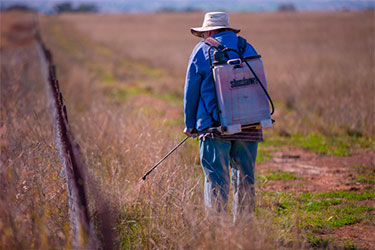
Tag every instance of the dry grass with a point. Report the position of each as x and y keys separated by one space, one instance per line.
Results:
x=121 y=140
x=33 y=208
x=320 y=65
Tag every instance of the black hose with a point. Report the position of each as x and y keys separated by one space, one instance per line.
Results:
x=256 y=77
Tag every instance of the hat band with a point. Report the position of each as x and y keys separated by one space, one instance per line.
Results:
x=212 y=23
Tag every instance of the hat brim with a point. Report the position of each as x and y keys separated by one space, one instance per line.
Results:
x=199 y=30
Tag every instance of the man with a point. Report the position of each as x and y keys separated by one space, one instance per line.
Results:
x=219 y=152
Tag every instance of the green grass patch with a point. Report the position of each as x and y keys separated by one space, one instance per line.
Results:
x=358 y=167
x=262 y=155
x=366 y=179
x=170 y=98
x=277 y=175
x=123 y=93
x=175 y=122
x=316 y=213
x=365 y=174
x=63 y=42
x=105 y=76
x=322 y=144
x=141 y=68
x=101 y=49
x=340 y=145
x=319 y=242
x=335 y=216
x=347 y=195
x=348 y=244
x=131 y=228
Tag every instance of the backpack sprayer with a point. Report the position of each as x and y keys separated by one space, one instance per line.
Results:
x=241 y=103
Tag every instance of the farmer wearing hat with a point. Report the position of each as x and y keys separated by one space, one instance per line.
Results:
x=219 y=153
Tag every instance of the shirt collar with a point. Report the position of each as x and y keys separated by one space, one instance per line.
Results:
x=223 y=33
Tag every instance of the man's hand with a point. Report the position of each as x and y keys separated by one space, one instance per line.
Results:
x=190 y=132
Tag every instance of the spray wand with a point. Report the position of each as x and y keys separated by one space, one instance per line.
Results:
x=165 y=157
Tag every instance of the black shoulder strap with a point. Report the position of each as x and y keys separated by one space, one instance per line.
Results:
x=213 y=42
x=210 y=41
x=241 y=45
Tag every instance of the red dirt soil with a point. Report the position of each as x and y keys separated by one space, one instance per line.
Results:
x=317 y=173
x=322 y=173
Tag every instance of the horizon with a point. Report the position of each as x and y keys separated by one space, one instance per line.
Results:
x=119 y=6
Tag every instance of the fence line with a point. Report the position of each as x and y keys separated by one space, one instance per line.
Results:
x=83 y=234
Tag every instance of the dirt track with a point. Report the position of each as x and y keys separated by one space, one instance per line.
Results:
x=324 y=173
x=318 y=173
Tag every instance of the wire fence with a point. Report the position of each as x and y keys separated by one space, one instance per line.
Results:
x=73 y=167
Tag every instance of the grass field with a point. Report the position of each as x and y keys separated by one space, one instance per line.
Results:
x=307 y=55
x=122 y=78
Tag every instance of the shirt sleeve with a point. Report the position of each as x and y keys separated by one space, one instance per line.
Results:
x=192 y=90
x=250 y=50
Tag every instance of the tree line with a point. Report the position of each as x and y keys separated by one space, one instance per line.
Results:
x=58 y=8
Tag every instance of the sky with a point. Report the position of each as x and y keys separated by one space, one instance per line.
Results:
x=207 y=5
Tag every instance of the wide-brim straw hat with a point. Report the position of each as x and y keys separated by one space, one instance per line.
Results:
x=213 y=21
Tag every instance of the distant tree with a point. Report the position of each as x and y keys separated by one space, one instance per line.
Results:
x=87 y=8
x=191 y=9
x=173 y=9
x=19 y=7
x=167 y=9
x=63 y=7
x=68 y=7
x=287 y=7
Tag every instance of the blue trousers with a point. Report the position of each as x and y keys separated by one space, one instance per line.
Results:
x=217 y=156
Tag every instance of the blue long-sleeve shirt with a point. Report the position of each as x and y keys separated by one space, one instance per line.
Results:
x=199 y=98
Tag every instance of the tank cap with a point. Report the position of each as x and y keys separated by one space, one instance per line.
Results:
x=234 y=61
